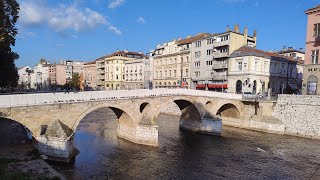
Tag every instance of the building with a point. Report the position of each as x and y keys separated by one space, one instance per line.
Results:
x=255 y=71
x=25 y=76
x=311 y=69
x=90 y=74
x=40 y=77
x=171 y=63
x=210 y=57
x=134 y=74
x=57 y=74
x=73 y=67
x=293 y=53
x=111 y=69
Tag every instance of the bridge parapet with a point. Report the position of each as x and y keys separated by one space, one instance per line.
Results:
x=19 y=100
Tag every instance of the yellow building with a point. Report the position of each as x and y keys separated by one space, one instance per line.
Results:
x=111 y=69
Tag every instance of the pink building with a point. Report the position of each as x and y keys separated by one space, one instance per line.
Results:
x=311 y=71
x=57 y=74
x=90 y=71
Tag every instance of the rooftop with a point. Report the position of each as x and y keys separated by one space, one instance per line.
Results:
x=124 y=54
x=314 y=9
x=249 y=51
x=191 y=39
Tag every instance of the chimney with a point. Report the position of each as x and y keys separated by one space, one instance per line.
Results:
x=228 y=28
x=245 y=32
x=236 y=28
x=255 y=35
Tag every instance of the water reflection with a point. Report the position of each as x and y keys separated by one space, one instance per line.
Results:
x=238 y=154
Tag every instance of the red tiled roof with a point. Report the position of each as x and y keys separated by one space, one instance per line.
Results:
x=192 y=39
x=312 y=9
x=92 y=62
x=245 y=49
x=123 y=53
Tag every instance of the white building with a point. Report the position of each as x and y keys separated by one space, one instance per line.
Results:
x=255 y=71
x=40 y=78
x=137 y=73
x=25 y=76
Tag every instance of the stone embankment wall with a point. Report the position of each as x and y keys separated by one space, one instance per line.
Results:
x=299 y=114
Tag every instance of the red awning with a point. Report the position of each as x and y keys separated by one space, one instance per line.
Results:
x=202 y=86
x=216 y=86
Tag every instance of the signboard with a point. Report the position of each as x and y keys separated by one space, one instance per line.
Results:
x=312 y=88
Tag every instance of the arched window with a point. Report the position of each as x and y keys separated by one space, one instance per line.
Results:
x=312 y=85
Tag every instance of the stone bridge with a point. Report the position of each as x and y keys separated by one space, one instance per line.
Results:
x=137 y=110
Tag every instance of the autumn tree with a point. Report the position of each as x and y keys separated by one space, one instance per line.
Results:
x=9 y=10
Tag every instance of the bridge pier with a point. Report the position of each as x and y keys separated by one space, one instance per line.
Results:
x=141 y=134
x=205 y=126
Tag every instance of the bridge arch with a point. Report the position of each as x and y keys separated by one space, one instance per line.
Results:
x=124 y=119
x=229 y=110
x=143 y=106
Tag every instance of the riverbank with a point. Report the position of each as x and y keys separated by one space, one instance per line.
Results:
x=18 y=157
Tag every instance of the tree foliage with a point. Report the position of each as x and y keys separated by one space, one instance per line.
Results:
x=75 y=80
x=9 y=10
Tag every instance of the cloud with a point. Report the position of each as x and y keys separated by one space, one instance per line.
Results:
x=114 y=29
x=115 y=3
x=141 y=20
x=61 y=18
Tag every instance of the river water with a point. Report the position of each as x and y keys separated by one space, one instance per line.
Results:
x=237 y=154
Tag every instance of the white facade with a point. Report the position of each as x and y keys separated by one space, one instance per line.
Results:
x=40 y=76
x=257 y=71
x=134 y=74
x=25 y=76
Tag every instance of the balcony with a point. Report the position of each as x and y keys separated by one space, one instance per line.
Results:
x=221 y=43
x=219 y=66
x=217 y=55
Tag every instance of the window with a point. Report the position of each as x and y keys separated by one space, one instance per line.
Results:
x=283 y=68
x=197 y=73
x=256 y=66
x=265 y=66
x=209 y=52
x=245 y=66
x=240 y=66
x=187 y=72
x=315 y=56
x=117 y=76
x=175 y=60
x=316 y=30
x=210 y=41
x=225 y=38
x=197 y=54
x=198 y=44
x=197 y=64
x=170 y=73
x=165 y=73
x=175 y=73
x=160 y=74
x=187 y=58
x=156 y=74
x=209 y=63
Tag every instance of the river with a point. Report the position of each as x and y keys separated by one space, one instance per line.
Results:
x=237 y=154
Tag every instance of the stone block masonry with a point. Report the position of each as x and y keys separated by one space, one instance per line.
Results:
x=299 y=114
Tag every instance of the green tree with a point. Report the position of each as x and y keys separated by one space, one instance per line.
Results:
x=9 y=10
x=75 y=80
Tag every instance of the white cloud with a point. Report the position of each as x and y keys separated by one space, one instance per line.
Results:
x=114 y=29
x=59 y=18
x=141 y=20
x=115 y=3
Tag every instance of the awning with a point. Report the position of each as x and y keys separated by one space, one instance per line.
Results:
x=293 y=86
x=216 y=86
x=201 y=86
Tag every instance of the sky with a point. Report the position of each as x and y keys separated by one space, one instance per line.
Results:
x=88 y=29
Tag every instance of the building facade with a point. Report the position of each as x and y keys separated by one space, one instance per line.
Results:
x=25 y=76
x=90 y=74
x=311 y=70
x=111 y=69
x=293 y=53
x=57 y=74
x=259 y=72
x=73 y=67
x=210 y=57
x=171 y=63
x=134 y=74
